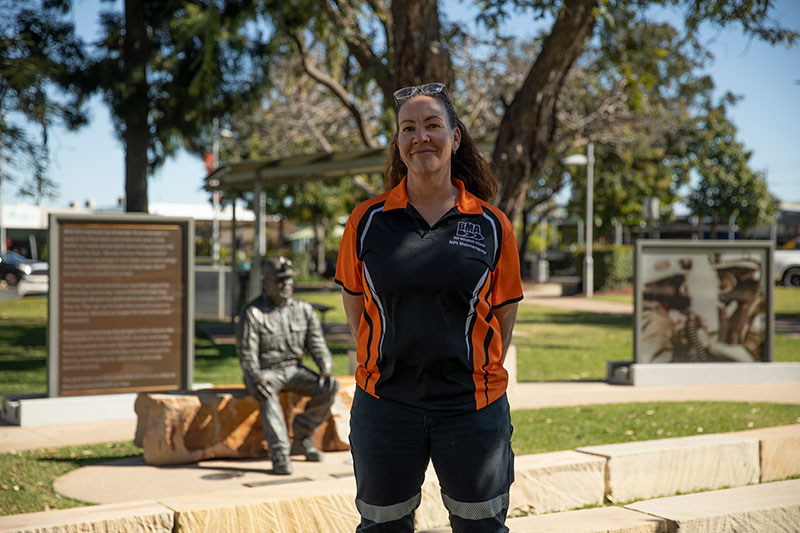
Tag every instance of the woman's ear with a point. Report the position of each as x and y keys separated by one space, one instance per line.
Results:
x=456 y=139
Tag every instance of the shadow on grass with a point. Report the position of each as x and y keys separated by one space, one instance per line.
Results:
x=578 y=318
x=214 y=351
x=21 y=335
x=25 y=365
x=89 y=460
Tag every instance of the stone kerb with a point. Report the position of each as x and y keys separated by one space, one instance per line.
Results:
x=649 y=469
x=556 y=481
x=295 y=508
x=780 y=450
x=147 y=516
x=768 y=507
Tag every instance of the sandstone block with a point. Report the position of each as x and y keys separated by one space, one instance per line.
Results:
x=780 y=450
x=556 y=481
x=224 y=422
x=133 y=516
x=648 y=469
x=772 y=507
x=543 y=483
x=599 y=520
x=289 y=508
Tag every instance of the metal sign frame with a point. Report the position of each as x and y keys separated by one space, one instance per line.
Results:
x=185 y=226
x=654 y=250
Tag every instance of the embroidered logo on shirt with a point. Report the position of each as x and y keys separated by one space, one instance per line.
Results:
x=469 y=235
x=469 y=230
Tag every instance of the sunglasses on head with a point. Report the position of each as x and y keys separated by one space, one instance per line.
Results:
x=406 y=93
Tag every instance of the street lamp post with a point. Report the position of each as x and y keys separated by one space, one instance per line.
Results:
x=588 y=260
x=215 y=195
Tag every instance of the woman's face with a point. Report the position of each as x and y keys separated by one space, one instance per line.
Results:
x=425 y=139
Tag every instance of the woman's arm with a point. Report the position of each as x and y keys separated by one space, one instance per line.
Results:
x=353 y=309
x=506 y=315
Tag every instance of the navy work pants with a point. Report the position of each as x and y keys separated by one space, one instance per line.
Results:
x=471 y=454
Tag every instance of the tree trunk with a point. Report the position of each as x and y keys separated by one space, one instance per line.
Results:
x=528 y=123
x=318 y=245
x=136 y=50
x=419 y=53
x=522 y=245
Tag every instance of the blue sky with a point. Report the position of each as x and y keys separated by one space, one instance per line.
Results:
x=90 y=164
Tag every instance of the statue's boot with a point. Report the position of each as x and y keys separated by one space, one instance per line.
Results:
x=305 y=446
x=281 y=464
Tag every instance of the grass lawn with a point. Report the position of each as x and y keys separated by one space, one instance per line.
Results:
x=566 y=428
x=26 y=478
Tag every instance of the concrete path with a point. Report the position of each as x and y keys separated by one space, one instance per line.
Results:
x=549 y=295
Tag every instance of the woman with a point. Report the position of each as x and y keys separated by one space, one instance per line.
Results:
x=430 y=278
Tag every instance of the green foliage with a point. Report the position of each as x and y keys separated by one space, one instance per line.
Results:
x=613 y=265
x=203 y=61
x=39 y=57
x=752 y=15
x=727 y=186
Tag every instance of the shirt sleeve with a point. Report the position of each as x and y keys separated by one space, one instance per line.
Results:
x=348 y=266
x=507 y=286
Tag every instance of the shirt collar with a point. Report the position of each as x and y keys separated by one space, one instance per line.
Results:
x=467 y=203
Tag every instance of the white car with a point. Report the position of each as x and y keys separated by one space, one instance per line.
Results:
x=37 y=282
x=787 y=267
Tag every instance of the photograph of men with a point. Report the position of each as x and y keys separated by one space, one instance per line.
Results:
x=702 y=307
x=274 y=332
x=742 y=314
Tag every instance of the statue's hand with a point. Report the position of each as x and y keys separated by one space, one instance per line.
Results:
x=327 y=383
x=325 y=370
x=262 y=390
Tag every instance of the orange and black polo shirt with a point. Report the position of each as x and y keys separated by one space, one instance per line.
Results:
x=428 y=337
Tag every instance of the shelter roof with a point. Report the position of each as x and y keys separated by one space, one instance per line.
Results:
x=242 y=176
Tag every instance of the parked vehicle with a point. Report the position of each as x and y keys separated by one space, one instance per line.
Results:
x=14 y=267
x=787 y=267
x=37 y=282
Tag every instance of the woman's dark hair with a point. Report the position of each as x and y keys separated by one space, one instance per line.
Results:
x=467 y=163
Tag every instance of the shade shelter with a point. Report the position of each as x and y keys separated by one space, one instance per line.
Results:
x=239 y=178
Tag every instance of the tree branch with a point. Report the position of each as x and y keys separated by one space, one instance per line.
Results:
x=343 y=18
x=336 y=88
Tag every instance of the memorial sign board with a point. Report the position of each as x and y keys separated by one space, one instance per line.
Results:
x=703 y=301
x=120 y=309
